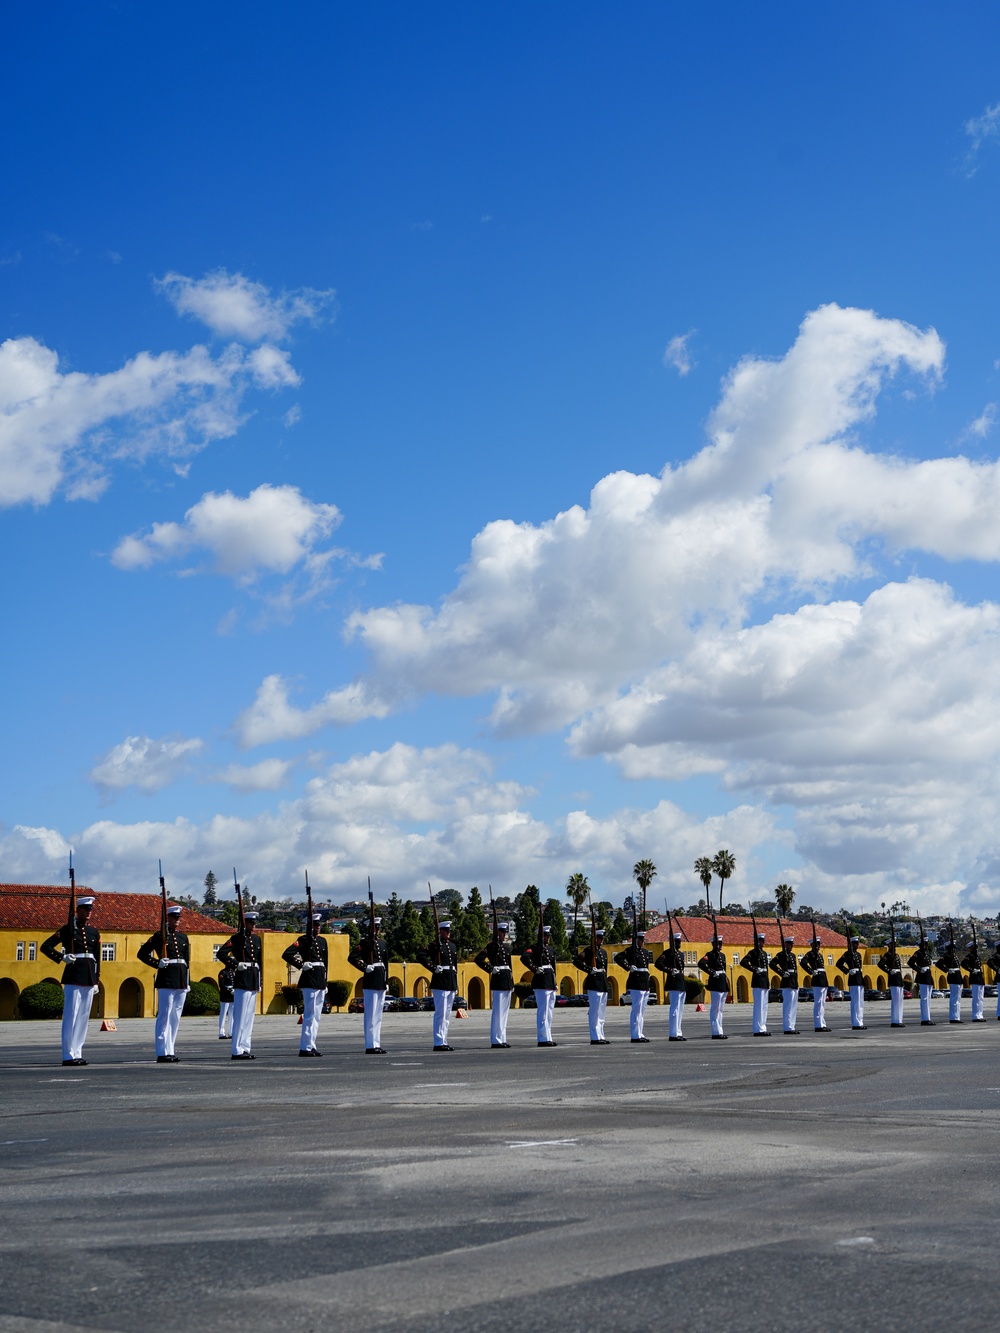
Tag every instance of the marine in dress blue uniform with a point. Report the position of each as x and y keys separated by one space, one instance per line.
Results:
x=77 y=948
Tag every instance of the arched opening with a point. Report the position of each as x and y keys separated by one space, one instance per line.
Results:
x=8 y=998
x=477 y=994
x=210 y=981
x=838 y=981
x=868 y=983
x=742 y=990
x=131 y=999
x=97 y=1008
x=395 y=987
x=654 y=990
x=880 y=984
x=613 y=991
x=420 y=988
x=526 y=979
x=567 y=986
x=359 y=988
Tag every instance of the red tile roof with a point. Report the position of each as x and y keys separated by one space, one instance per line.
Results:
x=43 y=907
x=738 y=932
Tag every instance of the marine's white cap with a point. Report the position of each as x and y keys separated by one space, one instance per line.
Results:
x=250 y=916
x=444 y=925
x=317 y=916
x=174 y=910
x=546 y=930
x=85 y=902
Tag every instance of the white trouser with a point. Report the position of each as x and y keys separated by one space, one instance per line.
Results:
x=677 y=998
x=955 y=1002
x=597 y=1007
x=312 y=1008
x=718 y=1004
x=374 y=1005
x=169 y=1004
x=978 y=995
x=499 y=1009
x=225 y=1018
x=442 y=1014
x=925 y=1003
x=857 y=1006
x=760 y=1010
x=76 y=1014
x=546 y=1000
x=819 y=1007
x=244 y=1008
x=998 y=1002
x=895 y=1004
x=637 y=1014
x=789 y=1008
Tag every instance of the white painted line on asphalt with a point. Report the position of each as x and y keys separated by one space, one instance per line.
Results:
x=857 y=1240
x=544 y=1143
x=7 y=1142
x=405 y=1064
x=440 y=1085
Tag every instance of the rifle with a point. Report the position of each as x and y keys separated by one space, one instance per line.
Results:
x=373 y=954
x=164 y=948
x=496 y=923
x=753 y=926
x=593 y=936
x=437 y=928
x=71 y=919
x=310 y=928
x=541 y=929
x=241 y=921
x=635 y=931
x=892 y=939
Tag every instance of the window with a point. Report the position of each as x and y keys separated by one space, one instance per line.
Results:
x=108 y=953
x=736 y=960
x=829 y=960
x=690 y=955
x=32 y=951
x=215 y=951
x=20 y=951
x=874 y=959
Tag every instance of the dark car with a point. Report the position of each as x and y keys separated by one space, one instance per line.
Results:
x=459 y=1002
x=876 y=994
x=426 y=1005
x=356 y=1006
x=577 y=1002
x=562 y=1001
x=529 y=1002
x=805 y=993
x=407 y=1006
x=774 y=995
x=835 y=993
x=991 y=991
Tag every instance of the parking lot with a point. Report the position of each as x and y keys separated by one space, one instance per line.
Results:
x=750 y=1185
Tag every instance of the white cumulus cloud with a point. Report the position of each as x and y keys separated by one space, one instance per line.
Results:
x=145 y=763
x=271 y=530
x=233 y=306
x=268 y=775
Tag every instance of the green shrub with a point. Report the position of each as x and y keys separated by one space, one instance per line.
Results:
x=43 y=1000
x=695 y=990
x=201 y=999
x=339 y=992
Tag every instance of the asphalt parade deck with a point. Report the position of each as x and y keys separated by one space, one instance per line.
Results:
x=811 y=1182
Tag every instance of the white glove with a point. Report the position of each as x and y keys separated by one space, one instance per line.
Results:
x=69 y=957
x=164 y=962
x=373 y=966
x=242 y=967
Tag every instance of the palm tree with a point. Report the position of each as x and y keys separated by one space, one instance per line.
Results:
x=724 y=864
x=704 y=869
x=784 y=896
x=642 y=873
x=578 y=891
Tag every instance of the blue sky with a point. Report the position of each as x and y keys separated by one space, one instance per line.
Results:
x=319 y=332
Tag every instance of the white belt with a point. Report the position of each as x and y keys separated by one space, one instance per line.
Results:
x=638 y=969
x=545 y=967
x=444 y=967
x=597 y=971
x=242 y=967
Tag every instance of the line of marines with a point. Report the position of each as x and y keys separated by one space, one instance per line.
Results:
x=77 y=948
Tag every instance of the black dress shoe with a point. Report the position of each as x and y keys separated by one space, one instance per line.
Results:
x=822 y=1029
x=638 y=1039
x=927 y=1023
x=975 y=1020
x=497 y=1045
x=897 y=1025
x=722 y=1036
x=444 y=1048
x=678 y=1038
x=859 y=1027
x=596 y=1042
x=954 y=1020
x=762 y=1034
x=74 y=1062
x=225 y=1038
x=790 y=1032
x=245 y=1056
x=548 y=1043
x=505 y=1045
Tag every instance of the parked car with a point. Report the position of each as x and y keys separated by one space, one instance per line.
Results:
x=459 y=1002
x=966 y=992
x=774 y=995
x=577 y=1002
x=390 y=1004
x=991 y=991
x=835 y=993
x=876 y=994
x=627 y=998
x=939 y=995
x=529 y=1002
x=407 y=1006
x=356 y=1006
x=805 y=993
